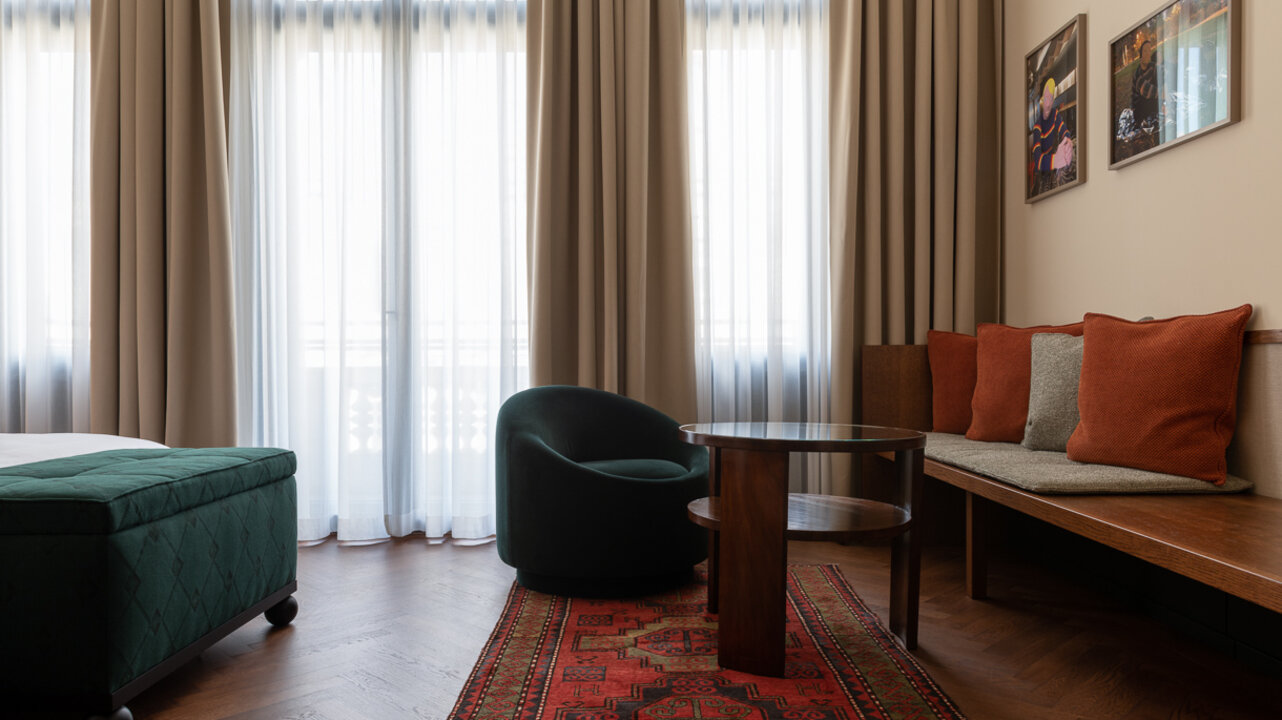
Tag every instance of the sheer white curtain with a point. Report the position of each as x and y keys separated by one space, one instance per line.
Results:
x=44 y=215
x=758 y=89
x=378 y=162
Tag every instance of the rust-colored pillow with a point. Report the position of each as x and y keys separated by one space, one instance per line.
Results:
x=1003 y=366
x=1160 y=395
x=952 y=379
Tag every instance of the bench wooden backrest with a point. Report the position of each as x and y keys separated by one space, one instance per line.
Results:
x=896 y=391
x=1256 y=452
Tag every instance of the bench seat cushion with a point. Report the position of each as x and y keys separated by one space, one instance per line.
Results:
x=1052 y=473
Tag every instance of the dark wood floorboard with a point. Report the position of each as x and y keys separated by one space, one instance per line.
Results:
x=1045 y=648
x=391 y=631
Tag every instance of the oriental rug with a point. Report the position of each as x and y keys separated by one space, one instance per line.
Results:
x=656 y=657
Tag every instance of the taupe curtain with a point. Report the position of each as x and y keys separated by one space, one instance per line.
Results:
x=162 y=353
x=611 y=298
x=915 y=131
x=915 y=174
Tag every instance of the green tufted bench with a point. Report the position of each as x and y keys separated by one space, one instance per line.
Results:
x=117 y=567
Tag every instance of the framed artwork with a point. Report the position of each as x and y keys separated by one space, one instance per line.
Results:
x=1054 y=81
x=1175 y=77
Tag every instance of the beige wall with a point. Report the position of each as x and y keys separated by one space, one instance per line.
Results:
x=1189 y=230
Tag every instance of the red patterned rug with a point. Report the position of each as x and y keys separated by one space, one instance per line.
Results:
x=656 y=657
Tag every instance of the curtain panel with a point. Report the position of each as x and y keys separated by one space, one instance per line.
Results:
x=758 y=106
x=611 y=304
x=378 y=159
x=44 y=216
x=915 y=129
x=163 y=336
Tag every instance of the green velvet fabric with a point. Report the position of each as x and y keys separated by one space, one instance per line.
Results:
x=640 y=468
x=118 y=489
x=581 y=494
x=86 y=612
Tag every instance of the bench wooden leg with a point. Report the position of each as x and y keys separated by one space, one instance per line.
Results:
x=978 y=519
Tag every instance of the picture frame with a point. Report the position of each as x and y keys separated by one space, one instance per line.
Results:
x=1174 y=76
x=1055 y=85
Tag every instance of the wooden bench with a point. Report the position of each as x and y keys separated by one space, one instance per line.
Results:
x=1230 y=542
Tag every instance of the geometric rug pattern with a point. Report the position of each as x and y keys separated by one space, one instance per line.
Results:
x=655 y=658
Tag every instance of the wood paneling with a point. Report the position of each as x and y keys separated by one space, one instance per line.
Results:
x=1263 y=337
x=896 y=386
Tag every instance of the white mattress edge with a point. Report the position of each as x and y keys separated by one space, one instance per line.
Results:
x=23 y=448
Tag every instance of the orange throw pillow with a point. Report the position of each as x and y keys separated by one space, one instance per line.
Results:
x=1160 y=395
x=952 y=379
x=1003 y=367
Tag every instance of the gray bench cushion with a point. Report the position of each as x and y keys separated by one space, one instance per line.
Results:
x=1052 y=473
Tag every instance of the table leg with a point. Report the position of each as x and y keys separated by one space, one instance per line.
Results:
x=714 y=537
x=753 y=560
x=905 y=551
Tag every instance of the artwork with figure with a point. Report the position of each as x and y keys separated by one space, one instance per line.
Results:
x=1171 y=76
x=1053 y=83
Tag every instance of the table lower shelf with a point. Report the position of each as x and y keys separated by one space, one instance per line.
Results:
x=821 y=517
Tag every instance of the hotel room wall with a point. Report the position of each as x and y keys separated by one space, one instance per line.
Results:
x=1189 y=230
x=1192 y=229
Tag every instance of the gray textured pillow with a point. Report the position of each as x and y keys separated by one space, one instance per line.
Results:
x=1052 y=391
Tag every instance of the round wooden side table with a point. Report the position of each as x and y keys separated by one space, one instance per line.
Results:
x=753 y=516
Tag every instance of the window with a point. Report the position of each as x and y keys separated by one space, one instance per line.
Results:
x=379 y=169
x=758 y=163
x=44 y=216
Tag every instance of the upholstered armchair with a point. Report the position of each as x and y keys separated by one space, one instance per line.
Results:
x=592 y=490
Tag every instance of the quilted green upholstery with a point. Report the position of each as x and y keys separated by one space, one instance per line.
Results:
x=119 y=489
x=158 y=562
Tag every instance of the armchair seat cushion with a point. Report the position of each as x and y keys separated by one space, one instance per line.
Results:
x=642 y=468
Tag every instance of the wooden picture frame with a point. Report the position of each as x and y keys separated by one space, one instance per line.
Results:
x=1174 y=76
x=1055 y=85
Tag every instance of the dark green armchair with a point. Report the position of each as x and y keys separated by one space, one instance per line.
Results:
x=592 y=490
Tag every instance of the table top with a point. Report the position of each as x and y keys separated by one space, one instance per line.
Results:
x=802 y=437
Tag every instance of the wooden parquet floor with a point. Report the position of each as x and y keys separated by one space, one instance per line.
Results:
x=390 y=632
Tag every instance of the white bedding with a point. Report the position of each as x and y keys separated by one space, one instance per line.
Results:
x=22 y=448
